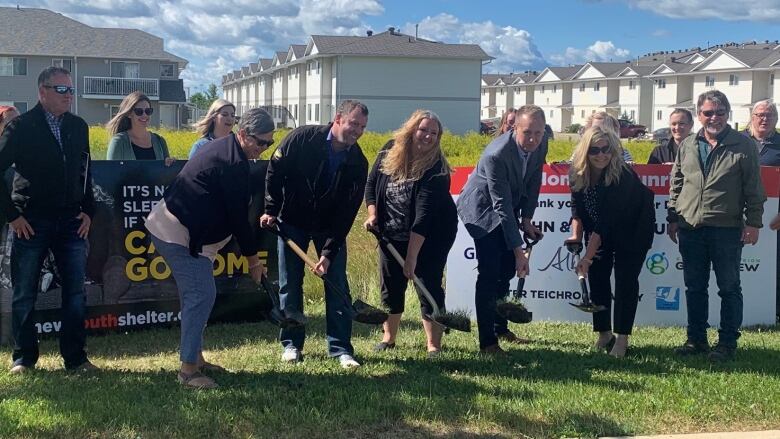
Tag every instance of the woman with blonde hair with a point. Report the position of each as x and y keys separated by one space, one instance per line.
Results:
x=217 y=123
x=617 y=212
x=131 y=138
x=409 y=203
x=507 y=121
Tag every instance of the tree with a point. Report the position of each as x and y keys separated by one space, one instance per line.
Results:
x=203 y=100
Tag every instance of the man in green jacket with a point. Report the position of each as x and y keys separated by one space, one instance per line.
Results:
x=716 y=200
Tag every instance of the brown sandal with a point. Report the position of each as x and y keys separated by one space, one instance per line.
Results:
x=196 y=380
x=211 y=367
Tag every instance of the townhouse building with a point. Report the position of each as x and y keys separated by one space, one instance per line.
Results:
x=392 y=73
x=106 y=65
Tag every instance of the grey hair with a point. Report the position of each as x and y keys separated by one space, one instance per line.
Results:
x=769 y=106
x=48 y=72
x=349 y=105
x=256 y=121
x=716 y=97
x=532 y=111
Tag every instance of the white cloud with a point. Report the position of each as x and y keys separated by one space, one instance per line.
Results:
x=514 y=49
x=661 y=33
x=733 y=10
x=603 y=51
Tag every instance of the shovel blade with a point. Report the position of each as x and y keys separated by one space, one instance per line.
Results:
x=588 y=307
x=514 y=312
x=367 y=314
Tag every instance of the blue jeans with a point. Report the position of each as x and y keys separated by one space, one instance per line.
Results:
x=197 y=292
x=338 y=313
x=721 y=248
x=495 y=268
x=70 y=255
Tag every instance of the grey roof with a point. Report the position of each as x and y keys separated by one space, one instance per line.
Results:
x=751 y=57
x=491 y=78
x=29 y=31
x=527 y=77
x=564 y=73
x=246 y=71
x=640 y=70
x=254 y=67
x=281 y=56
x=677 y=67
x=608 y=68
x=774 y=56
x=266 y=63
x=298 y=50
x=395 y=44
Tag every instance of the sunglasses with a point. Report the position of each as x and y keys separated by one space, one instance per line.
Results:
x=261 y=142
x=61 y=89
x=595 y=150
x=141 y=111
x=710 y=113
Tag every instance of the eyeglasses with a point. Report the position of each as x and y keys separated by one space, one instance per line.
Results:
x=763 y=115
x=261 y=142
x=61 y=89
x=710 y=113
x=595 y=150
x=141 y=111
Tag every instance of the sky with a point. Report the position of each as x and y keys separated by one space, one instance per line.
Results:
x=217 y=37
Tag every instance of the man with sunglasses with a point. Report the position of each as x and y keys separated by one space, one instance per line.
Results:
x=49 y=208
x=315 y=185
x=716 y=200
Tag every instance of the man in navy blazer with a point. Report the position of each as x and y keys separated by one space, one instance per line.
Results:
x=498 y=200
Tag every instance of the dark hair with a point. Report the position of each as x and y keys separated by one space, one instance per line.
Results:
x=256 y=121
x=350 y=105
x=532 y=111
x=682 y=111
x=48 y=72
x=121 y=122
x=716 y=97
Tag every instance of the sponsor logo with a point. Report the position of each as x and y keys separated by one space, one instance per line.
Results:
x=667 y=298
x=470 y=253
x=657 y=263
x=562 y=260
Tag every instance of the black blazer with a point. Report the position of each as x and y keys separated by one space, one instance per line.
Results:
x=49 y=180
x=626 y=213
x=211 y=196
x=433 y=213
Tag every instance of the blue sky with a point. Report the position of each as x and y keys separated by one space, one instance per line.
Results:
x=217 y=37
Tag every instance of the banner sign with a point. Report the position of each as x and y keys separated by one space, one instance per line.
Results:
x=128 y=284
x=552 y=283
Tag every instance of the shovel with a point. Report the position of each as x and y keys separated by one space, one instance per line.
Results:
x=513 y=310
x=458 y=321
x=575 y=248
x=277 y=315
x=361 y=311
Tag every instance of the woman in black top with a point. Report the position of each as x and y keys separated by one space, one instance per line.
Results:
x=680 y=125
x=409 y=202
x=617 y=212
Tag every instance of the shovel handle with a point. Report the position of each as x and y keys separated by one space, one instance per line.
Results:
x=296 y=249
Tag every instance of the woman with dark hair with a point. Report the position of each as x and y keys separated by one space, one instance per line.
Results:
x=131 y=138
x=507 y=121
x=217 y=123
x=7 y=114
x=617 y=212
x=207 y=204
x=680 y=125
x=408 y=202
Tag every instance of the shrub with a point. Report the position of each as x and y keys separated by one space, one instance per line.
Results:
x=573 y=128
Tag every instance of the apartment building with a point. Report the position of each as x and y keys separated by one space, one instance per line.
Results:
x=392 y=73
x=106 y=65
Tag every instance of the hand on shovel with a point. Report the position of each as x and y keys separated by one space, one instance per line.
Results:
x=521 y=262
x=321 y=268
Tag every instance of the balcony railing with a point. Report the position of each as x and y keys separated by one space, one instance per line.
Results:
x=120 y=87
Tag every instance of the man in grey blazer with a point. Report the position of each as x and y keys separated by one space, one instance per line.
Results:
x=498 y=200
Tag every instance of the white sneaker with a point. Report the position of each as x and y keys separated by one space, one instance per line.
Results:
x=348 y=362
x=292 y=355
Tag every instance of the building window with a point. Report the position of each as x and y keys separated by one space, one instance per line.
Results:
x=661 y=84
x=555 y=89
x=772 y=79
x=582 y=86
x=551 y=114
x=13 y=66
x=21 y=106
x=733 y=79
x=66 y=64
x=501 y=91
x=631 y=85
x=582 y=114
x=316 y=112
x=632 y=115
x=597 y=86
x=121 y=69
x=167 y=71
x=709 y=81
x=295 y=113
x=308 y=111
x=731 y=115
x=113 y=110
x=484 y=92
x=659 y=115
x=542 y=89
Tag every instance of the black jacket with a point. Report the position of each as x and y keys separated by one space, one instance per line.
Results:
x=663 y=153
x=211 y=196
x=300 y=193
x=626 y=213
x=49 y=181
x=433 y=213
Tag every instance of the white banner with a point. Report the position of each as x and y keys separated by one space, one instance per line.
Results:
x=552 y=284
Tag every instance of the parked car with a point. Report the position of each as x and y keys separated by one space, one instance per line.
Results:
x=631 y=130
x=488 y=126
x=661 y=135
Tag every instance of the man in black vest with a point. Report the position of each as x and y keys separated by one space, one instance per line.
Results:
x=49 y=208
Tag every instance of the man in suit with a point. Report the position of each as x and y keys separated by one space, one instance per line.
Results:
x=49 y=208
x=499 y=198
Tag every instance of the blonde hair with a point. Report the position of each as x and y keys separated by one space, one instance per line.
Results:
x=609 y=121
x=580 y=173
x=206 y=125
x=121 y=122
x=400 y=163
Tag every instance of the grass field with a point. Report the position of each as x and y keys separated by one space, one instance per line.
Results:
x=554 y=387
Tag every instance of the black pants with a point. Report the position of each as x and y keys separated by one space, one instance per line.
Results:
x=496 y=267
x=627 y=266
x=430 y=270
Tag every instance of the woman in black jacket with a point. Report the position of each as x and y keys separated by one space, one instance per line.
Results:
x=617 y=212
x=409 y=202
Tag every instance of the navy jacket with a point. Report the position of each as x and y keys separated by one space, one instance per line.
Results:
x=211 y=196
x=768 y=153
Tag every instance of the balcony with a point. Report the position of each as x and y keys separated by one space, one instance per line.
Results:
x=100 y=87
